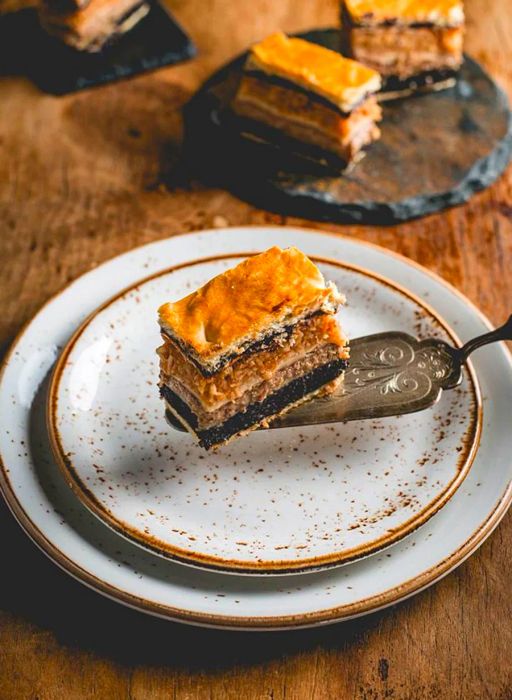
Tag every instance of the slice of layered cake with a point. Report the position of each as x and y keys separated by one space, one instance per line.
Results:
x=414 y=44
x=309 y=95
x=89 y=25
x=251 y=344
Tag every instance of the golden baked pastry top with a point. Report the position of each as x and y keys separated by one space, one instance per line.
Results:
x=445 y=12
x=340 y=80
x=245 y=303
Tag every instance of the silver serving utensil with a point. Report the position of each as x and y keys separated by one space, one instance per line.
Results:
x=390 y=374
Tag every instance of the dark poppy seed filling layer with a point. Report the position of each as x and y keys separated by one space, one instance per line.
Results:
x=256 y=413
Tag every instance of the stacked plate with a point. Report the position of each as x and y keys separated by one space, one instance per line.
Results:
x=284 y=528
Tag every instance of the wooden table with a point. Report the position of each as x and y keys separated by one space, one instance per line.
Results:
x=79 y=183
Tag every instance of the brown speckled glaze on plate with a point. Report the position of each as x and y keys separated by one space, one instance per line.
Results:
x=287 y=501
x=46 y=508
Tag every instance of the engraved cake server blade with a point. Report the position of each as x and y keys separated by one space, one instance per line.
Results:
x=390 y=374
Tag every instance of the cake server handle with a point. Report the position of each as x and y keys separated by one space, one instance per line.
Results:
x=504 y=332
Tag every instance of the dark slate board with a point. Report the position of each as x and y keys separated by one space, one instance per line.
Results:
x=156 y=41
x=16 y=28
x=436 y=151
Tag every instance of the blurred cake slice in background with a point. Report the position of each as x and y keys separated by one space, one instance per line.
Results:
x=414 y=44
x=296 y=92
x=94 y=24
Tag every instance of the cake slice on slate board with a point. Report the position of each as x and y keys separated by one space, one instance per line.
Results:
x=414 y=44
x=310 y=95
x=78 y=44
x=93 y=24
x=251 y=344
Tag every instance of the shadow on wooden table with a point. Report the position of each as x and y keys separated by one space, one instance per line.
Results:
x=33 y=588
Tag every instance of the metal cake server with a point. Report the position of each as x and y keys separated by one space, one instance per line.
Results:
x=390 y=374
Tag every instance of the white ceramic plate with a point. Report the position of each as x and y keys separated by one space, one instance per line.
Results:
x=86 y=548
x=276 y=501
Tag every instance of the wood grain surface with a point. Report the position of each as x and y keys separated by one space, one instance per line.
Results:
x=80 y=181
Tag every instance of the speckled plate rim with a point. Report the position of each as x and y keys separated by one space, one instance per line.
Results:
x=385 y=598
x=211 y=562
